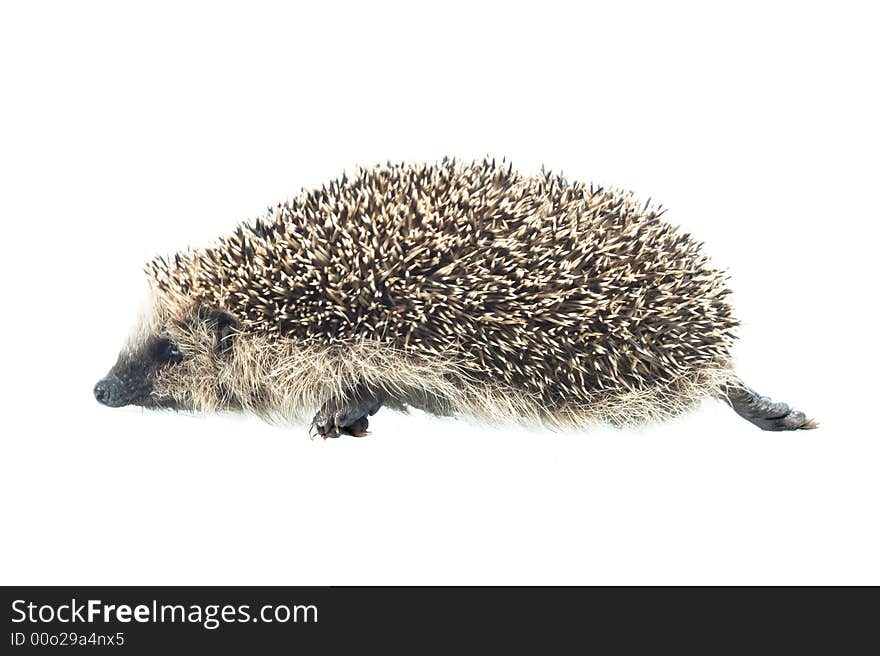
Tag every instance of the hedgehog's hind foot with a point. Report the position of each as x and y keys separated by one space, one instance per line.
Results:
x=766 y=414
x=346 y=417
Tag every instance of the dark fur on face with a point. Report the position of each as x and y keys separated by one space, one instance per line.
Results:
x=131 y=380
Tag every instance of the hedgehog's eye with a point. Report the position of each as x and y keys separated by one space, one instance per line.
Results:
x=170 y=353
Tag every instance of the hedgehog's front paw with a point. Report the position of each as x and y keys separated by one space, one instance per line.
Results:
x=332 y=425
x=347 y=417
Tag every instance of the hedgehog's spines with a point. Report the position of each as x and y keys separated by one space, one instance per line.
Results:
x=556 y=289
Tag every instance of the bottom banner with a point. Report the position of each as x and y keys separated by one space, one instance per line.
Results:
x=269 y=619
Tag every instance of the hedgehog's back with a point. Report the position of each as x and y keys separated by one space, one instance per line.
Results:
x=562 y=292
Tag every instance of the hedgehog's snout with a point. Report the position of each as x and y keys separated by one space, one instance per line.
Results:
x=110 y=392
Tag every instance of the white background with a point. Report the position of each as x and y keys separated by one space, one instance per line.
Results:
x=130 y=131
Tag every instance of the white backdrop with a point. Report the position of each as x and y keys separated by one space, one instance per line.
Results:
x=131 y=131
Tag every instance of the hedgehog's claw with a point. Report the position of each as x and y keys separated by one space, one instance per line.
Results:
x=348 y=417
x=766 y=414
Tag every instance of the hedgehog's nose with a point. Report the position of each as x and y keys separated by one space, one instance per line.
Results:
x=108 y=391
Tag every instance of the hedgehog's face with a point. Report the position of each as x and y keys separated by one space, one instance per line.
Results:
x=174 y=362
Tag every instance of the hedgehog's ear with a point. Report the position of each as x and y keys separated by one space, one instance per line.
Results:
x=224 y=326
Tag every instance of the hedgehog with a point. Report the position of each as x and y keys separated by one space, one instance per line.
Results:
x=460 y=289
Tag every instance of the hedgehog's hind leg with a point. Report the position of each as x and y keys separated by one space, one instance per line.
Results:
x=764 y=413
x=347 y=416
